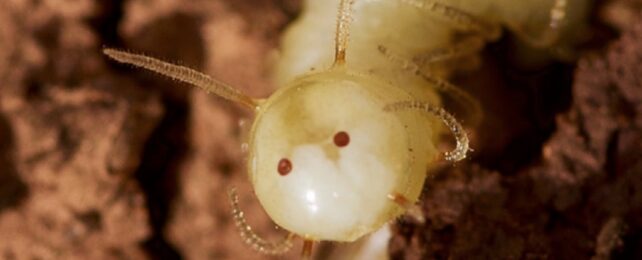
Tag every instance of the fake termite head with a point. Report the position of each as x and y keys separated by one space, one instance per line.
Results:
x=324 y=156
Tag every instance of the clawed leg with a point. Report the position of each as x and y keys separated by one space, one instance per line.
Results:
x=411 y=209
x=471 y=104
x=462 y=148
x=251 y=238
x=459 y=49
x=459 y=17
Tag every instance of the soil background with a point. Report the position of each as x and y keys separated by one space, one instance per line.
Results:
x=104 y=161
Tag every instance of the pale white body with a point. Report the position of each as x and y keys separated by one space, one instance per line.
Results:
x=341 y=193
x=345 y=144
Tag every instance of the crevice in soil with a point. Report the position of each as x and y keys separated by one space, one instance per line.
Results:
x=157 y=176
x=13 y=190
x=511 y=139
x=166 y=147
x=105 y=23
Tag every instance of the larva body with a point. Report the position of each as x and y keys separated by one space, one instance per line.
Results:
x=344 y=145
x=338 y=193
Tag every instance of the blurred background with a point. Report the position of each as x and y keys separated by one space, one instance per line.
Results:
x=104 y=161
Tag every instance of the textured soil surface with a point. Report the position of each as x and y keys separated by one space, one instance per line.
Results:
x=103 y=161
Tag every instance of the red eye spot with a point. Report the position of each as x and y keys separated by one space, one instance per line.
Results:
x=341 y=139
x=285 y=166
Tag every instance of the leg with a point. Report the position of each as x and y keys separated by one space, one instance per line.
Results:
x=470 y=104
x=459 y=17
x=411 y=208
x=463 y=48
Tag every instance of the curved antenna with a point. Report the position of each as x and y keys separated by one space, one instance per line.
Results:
x=250 y=237
x=342 y=32
x=443 y=86
x=462 y=148
x=465 y=47
x=182 y=74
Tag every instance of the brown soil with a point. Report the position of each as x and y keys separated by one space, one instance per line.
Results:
x=103 y=161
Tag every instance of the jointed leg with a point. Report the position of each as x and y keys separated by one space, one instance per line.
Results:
x=411 y=208
x=558 y=13
x=463 y=48
x=459 y=17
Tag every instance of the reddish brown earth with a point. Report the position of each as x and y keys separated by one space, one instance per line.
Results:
x=103 y=161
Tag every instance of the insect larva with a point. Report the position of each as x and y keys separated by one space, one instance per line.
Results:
x=344 y=145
